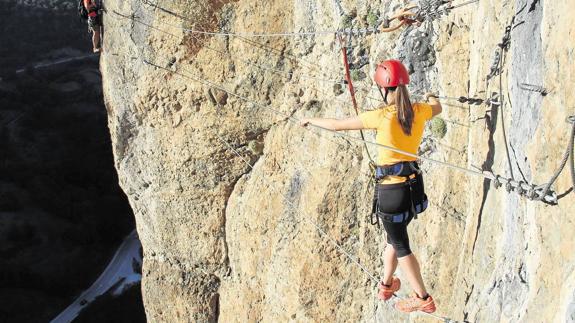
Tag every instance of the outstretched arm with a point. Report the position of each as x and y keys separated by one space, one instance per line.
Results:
x=352 y=123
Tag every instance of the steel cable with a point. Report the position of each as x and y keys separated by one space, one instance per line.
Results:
x=499 y=180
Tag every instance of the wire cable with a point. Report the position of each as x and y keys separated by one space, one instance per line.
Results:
x=521 y=187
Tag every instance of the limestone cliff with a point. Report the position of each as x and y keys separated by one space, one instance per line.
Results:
x=227 y=242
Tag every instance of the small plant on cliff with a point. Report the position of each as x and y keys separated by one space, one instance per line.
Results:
x=313 y=105
x=372 y=18
x=256 y=147
x=347 y=21
x=438 y=127
x=354 y=75
x=357 y=75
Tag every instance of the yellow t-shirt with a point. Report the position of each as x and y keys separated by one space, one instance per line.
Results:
x=389 y=133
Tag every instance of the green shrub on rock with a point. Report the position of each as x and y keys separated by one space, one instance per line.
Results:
x=355 y=75
x=347 y=21
x=372 y=18
x=438 y=127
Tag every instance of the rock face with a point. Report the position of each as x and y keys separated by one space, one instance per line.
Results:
x=233 y=199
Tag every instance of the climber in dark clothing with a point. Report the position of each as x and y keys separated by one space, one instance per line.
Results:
x=94 y=23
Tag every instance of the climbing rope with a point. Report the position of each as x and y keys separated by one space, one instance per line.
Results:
x=321 y=231
x=348 y=31
x=357 y=32
x=399 y=16
x=462 y=99
x=372 y=163
x=283 y=73
x=520 y=187
x=307 y=218
x=405 y=17
x=286 y=74
x=451 y=7
x=266 y=48
x=569 y=155
x=497 y=69
x=533 y=192
x=471 y=101
x=429 y=10
x=502 y=116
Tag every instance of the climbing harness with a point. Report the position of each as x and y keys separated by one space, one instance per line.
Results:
x=85 y=13
x=413 y=185
x=403 y=169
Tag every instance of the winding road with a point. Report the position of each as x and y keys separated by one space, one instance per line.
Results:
x=120 y=272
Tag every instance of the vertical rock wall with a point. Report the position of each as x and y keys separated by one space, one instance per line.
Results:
x=233 y=237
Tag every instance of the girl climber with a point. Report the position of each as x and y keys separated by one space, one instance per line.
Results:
x=399 y=190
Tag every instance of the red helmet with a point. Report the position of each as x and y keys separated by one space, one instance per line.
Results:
x=391 y=73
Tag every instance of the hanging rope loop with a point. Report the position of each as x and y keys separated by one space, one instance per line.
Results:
x=568 y=156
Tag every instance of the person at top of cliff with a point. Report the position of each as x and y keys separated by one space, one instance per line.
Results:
x=399 y=188
x=94 y=23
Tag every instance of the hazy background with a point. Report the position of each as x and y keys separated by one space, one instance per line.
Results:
x=62 y=213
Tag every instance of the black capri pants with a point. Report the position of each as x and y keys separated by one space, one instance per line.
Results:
x=396 y=199
x=397 y=237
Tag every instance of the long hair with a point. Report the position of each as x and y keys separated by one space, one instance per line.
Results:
x=404 y=109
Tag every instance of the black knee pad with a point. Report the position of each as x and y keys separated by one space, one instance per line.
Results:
x=397 y=237
x=402 y=249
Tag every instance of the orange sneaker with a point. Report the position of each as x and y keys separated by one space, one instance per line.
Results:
x=414 y=303
x=385 y=292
